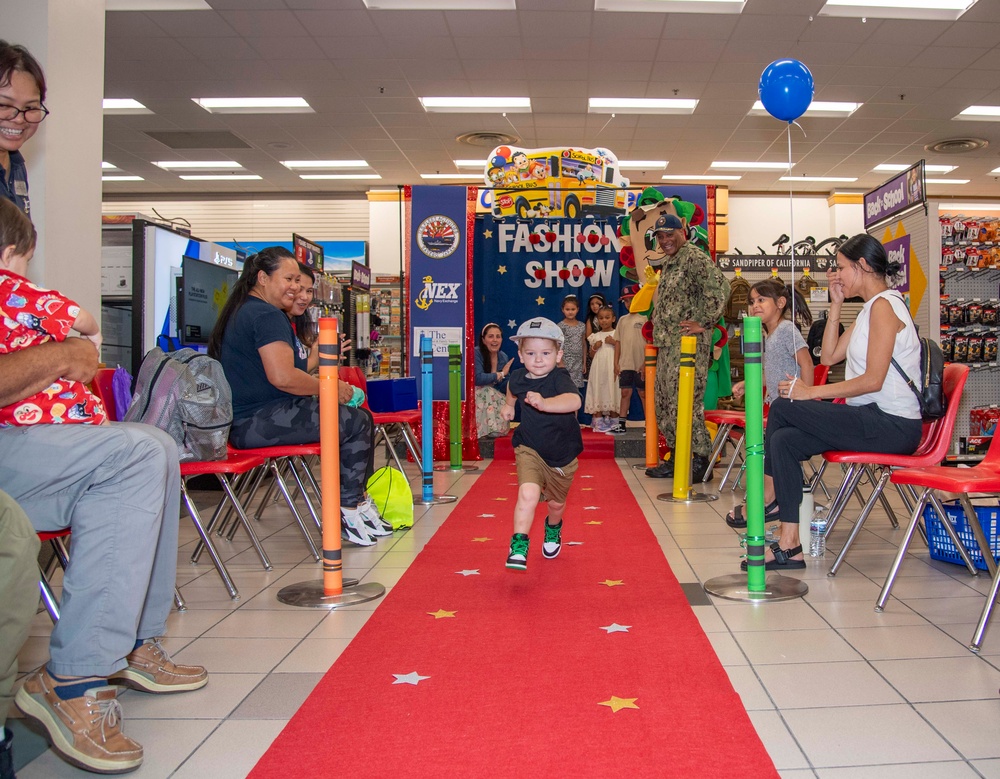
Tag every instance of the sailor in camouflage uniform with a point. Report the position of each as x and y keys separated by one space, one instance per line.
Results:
x=689 y=299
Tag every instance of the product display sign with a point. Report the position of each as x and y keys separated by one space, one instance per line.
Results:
x=438 y=283
x=816 y=263
x=308 y=253
x=361 y=276
x=898 y=194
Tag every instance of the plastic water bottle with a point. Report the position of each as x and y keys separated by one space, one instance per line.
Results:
x=806 y=513
x=817 y=534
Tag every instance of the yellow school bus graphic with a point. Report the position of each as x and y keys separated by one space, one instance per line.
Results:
x=555 y=181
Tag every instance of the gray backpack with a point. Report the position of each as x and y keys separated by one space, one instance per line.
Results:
x=185 y=393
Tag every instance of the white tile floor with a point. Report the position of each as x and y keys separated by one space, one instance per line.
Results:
x=834 y=689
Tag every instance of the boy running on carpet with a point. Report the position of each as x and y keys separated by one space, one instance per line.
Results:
x=547 y=441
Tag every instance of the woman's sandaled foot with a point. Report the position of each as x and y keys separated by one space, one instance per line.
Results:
x=735 y=518
x=781 y=559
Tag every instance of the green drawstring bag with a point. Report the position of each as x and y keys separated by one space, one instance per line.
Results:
x=391 y=493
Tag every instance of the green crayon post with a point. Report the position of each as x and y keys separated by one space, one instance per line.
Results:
x=455 y=404
x=753 y=379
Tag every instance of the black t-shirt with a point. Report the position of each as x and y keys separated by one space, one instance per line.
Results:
x=556 y=437
x=254 y=325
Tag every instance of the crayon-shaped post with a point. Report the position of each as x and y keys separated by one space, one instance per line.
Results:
x=754 y=394
x=652 y=433
x=685 y=414
x=427 y=417
x=455 y=404
x=329 y=439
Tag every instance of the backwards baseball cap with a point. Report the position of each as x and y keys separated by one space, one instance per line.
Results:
x=667 y=223
x=539 y=327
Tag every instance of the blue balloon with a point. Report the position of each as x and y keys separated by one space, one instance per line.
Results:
x=786 y=89
x=498 y=161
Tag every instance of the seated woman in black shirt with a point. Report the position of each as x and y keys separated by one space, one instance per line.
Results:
x=275 y=401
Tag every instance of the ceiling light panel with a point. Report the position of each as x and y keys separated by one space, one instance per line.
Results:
x=470 y=163
x=641 y=105
x=440 y=5
x=453 y=176
x=941 y=10
x=198 y=165
x=817 y=108
x=477 y=105
x=701 y=178
x=947 y=181
x=338 y=176
x=642 y=164
x=834 y=179
x=223 y=177
x=122 y=178
x=323 y=164
x=108 y=166
x=727 y=165
x=672 y=6
x=892 y=167
x=123 y=105
x=980 y=113
x=254 y=105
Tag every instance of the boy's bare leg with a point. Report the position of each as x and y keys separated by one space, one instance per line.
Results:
x=524 y=511
x=626 y=401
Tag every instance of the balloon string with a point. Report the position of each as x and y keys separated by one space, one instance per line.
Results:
x=791 y=227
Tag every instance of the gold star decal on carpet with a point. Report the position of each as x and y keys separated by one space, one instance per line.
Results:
x=586 y=489
x=613 y=582
x=540 y=300
x=487 y=233
x=441 y=614
x=483 y=539
x=501 y=269
x=617 y=703
x=594 y=522
x=614 y=627
x=411 y=678
x=587 y=476
x=499 y=498
x=468 y=572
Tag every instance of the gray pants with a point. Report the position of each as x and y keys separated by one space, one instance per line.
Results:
x=19 y=585
x=118 y=488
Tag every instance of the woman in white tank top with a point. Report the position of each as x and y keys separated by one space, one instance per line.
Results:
x=881 y=414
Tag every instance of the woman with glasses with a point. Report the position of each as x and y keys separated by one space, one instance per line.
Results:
x=22 y=90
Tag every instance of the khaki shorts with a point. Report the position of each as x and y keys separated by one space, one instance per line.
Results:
x=554 y=482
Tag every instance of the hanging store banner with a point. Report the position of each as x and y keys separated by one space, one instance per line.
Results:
x=898 y=194
x=437 y=278
x=816 y=263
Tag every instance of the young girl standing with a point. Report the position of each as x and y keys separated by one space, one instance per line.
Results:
x=602 y=395
x=786 y=355
x=594 y=304
x=574 y=340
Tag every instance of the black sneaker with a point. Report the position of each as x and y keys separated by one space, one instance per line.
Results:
x=665 y=470
x=553 y=540
x=699 y=466
x=6 y=756
x=618 y=429
x=518 y=557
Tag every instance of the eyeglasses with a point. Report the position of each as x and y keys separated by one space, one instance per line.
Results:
x=31 y=115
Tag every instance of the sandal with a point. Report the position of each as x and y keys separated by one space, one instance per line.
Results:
x=736 y=519
x=782 y=559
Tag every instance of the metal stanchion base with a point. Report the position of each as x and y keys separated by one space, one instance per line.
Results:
x=777 y=587
x=311 y=595
x=693 y=497
x=459 y=469
x=435 y=500
x=642 y=467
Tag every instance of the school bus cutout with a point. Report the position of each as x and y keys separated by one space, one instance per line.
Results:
x=554 y=181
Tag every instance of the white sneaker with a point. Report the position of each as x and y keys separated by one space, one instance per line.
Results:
x=374 y=524
x=352 y=528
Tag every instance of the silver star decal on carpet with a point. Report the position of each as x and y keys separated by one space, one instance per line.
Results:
x=574 y=543
x=468 y=572
x=411 y=678
x=485 y=515
x=591 y=508
x=614 y=627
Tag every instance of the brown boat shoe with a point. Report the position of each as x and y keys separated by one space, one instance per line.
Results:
x=150 y=669
x=85 y=731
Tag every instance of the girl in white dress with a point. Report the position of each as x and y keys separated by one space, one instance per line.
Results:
x=603 y=396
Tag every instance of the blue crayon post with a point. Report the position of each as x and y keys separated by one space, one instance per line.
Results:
x=755 y=585
x=427 y=496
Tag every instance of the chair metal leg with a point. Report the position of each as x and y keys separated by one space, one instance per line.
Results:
x=984 y=619
x=959 y=546
x=293 y=462
x=977 y=531
x=859 y=522
x=904 y=544
x=295 y=512
x=847 y=487
x=881 y=494
x=411 y=441
x=380 y=430
x=732 y=460
x=216 y=560
x=244 y=520
x=179 y=600
x=48 y=597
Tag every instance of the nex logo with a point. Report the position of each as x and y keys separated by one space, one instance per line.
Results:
x=431 y=292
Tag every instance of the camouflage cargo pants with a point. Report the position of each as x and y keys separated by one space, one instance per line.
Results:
x=667 y=379
x=291 y=421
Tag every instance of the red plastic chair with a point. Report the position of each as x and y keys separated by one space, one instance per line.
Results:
x=932 y=450
x=387 y=422
x=981 y=478
x=58 y=540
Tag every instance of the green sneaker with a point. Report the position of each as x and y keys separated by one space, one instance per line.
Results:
x=553 y=540
x=518 y=557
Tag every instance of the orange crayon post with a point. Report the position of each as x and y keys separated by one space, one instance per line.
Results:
x=329 y=439
x=652 y=434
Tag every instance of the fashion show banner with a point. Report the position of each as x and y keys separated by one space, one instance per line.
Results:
x=437 y=277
